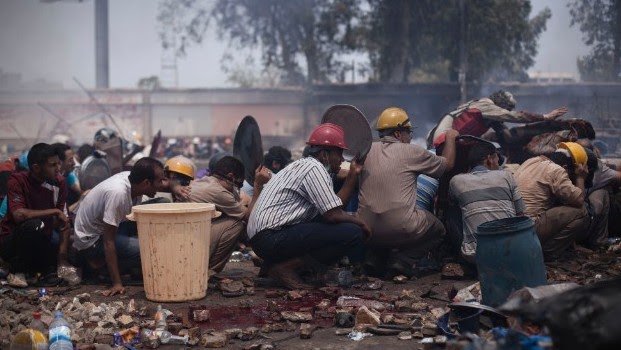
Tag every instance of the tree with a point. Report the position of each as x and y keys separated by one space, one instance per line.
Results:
x=414 y=38
x=302 y=38
x=600 y=23
x=149 y=83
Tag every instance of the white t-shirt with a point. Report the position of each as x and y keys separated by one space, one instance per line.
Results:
x=108 y=203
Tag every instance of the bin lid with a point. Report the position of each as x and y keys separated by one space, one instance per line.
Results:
x=173 y=208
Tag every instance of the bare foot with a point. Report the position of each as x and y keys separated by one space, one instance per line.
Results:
x=285 y=273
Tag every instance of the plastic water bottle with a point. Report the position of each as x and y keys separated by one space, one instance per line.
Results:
x=37 y=323
x=167 y=338
x=60 y=333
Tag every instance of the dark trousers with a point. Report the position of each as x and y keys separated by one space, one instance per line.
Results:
x=325 y=243
x=28 y=249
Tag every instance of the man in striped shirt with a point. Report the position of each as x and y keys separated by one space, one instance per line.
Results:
x=298 y=220
x=484 y=194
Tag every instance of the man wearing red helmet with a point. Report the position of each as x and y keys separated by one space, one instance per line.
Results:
x=298 y=221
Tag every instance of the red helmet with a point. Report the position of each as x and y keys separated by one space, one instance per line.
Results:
x=328 y=134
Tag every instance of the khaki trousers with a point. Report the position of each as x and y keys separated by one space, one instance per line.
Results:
x=558 y=227
x=225 y=233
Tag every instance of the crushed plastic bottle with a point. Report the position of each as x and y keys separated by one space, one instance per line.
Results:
x=167 y=338
x=70 y=274
x=37 y=324
x=160 y=319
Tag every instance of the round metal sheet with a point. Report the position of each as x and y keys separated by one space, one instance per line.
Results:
x=356 y=126
x=248 y=147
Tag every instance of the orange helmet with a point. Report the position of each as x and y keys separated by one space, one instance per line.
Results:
x=578 y=154
x=328 y=134
x=181 y=165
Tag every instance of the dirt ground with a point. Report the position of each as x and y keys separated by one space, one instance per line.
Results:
x=245 y=311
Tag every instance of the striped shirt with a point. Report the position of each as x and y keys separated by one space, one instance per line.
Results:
x=484 y=195
x=296 y=194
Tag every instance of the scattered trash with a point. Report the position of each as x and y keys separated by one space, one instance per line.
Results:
x=70 y=274
x=472 y=293
x=358 y=336
x=349 y=301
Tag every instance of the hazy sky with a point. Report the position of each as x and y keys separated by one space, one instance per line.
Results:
x=55 y=41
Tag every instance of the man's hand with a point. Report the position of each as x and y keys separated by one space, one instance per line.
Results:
x=261 y=176
x=582 y=170
x=116 y=289
x=355 y=168
x=451 y=134
x=555 y=113
x=181 y=192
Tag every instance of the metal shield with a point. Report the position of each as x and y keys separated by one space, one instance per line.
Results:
x=356 y=126
x=248 y=147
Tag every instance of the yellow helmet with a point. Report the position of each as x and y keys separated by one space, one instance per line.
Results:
x=181 y=165
x=577 y=152
x=392 y=118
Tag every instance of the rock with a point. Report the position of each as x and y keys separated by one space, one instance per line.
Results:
x=452 y=271
x=274 y=293
x=347 y=301
x=200 y=315
x=214 y=340
x=373 y=284
x=438 y=312
x=231 y=288
x=400 y=279
x=429 y=329
x=233 y=332
x=294 y=295
x=306 y=330
x=273 y=306
x=388 y=318
x=420 y=307
x=366 y=316
x=403 y=305
x=104 y=339
x=249 y=333
x=296 y=316
x=408 y=294
x=342 y=331
x=125 y=321
x=405 y=336
x=323 y=304
x=250 y=291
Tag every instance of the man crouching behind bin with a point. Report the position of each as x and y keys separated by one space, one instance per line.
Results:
x=298 y=220
x=100 y=237
x=221 y=189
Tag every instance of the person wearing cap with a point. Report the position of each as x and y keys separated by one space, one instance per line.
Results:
x=298 y=221
x=387 y=199
x=484 y=194
x=553 y=191
x=475 y=117
x=222 y=189
x=604 y=180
